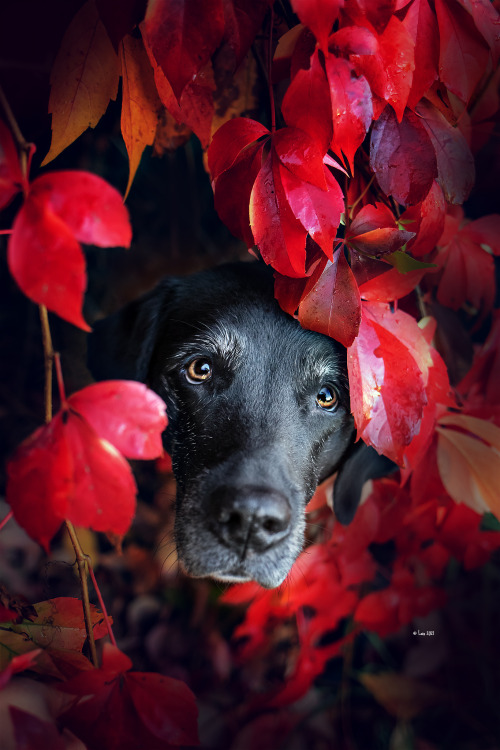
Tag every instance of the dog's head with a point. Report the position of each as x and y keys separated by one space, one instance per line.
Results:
x=258 y=413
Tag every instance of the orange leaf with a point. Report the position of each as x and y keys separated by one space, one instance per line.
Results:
x=84 y=78
x=468 y=457
x=140 y=104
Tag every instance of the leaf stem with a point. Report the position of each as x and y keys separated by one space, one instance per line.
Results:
x=48 y=357
x=101 y=604
x=82 y=561
x=23 y=146
x=269 y=72
x=6 y=519
x=361 y=196
x=60 y=381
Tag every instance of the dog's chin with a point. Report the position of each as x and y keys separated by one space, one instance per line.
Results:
x=239 y=574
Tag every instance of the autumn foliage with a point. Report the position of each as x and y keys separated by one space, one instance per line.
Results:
x=351 y=180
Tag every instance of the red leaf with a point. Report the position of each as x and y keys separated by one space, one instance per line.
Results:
x=301 y=154
x=232 y=191
x=229 y=141
x=332 y=304
x=455 y=163
x=426 y=219
x=482 y=379
x=421 y=24
x=19 y=664
x=91 y=209
x=463 y=55
x=375 y=233
x=11 y=178
x=352 y=109
x=122 y=709
x=126 y=414
x=388 y=371
x=47 y=261
x=196 y=106
x=31 y=732
x=319 y=16
x=306 y=104
x=318 y=211
x=280 y=237
x=377 y=13
x=354 y=40
x=468 y=274
x=391 y=285
x=118 y=25
x=390 y=71
x=65 y=470
x=183 y=36
x=44 y=255
x=402 y=157
x=485 y=231
x=486 y=18
x=242 y=21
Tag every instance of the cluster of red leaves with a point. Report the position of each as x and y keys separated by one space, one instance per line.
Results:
x=74 y=468
x=109 y=706
x=337 y=588
x=353 y=72
x=334 y=589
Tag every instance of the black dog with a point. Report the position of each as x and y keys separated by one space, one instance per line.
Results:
x=258 y=414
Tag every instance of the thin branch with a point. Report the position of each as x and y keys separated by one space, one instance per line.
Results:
x=6 y=519
x=81 y=557
x=23 y=145
x=101 y=603
x=82 y=561
x=269 y=72
x=48 y=357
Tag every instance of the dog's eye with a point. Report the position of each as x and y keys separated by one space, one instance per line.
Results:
x=327 y=398
x=198 y=371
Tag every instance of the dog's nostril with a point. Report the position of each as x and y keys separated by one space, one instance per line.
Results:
x=249 y=518
x=273 y=525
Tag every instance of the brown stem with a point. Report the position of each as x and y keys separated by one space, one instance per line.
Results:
x=360 y=197
x=6 y=519
x=48 y=356
x=23 y=145
x=82 y=561
x=269 y=72
x=102 y=605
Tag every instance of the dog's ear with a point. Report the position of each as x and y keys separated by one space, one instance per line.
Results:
x=121 y=346
x=361 y=464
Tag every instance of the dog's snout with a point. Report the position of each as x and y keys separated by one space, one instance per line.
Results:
x=249 y=519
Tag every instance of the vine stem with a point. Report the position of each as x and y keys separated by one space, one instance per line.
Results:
x=23 y=145
x=269 y=72
x=6 y=519
x=49 y=357
x=102 y=605
x=83 y=564
x=82 y=560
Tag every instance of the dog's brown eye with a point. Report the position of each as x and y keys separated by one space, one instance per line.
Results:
x=198 y=371
x=327 y=398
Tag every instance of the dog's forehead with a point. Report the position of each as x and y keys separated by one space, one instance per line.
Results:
x=239 y=319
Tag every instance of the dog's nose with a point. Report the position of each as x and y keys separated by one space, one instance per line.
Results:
x=249 y=518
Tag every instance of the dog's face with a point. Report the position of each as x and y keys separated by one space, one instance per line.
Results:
x=258 y=413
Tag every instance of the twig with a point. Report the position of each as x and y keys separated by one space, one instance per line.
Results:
x=6 y=519
x=82 y=561
x=101 y=604
x=269 y=72
x=48 y=358
x=23 y=145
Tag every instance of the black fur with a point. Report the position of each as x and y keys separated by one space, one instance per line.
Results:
x=250 y=444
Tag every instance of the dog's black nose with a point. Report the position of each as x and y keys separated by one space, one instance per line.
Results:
x=249 y=518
